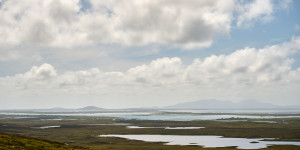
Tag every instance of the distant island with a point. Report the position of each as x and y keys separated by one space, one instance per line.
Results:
x=218 y=104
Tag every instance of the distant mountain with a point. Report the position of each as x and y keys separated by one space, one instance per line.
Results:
x=90 y=108
x=217 y=104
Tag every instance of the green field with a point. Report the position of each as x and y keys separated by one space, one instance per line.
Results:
x=72 y=132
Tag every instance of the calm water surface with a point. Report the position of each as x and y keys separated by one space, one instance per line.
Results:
x=205 y=140
x=174 y=115
x=168 y=128
x=46 y=127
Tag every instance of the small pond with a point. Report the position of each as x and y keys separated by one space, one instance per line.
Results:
x=45 y=127
x=181 y=128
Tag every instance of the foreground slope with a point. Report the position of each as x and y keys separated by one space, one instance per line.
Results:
x=8 y=142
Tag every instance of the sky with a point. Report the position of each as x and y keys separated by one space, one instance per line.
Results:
x=133 y=53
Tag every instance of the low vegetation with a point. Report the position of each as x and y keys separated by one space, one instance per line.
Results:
x=9 y=142
x=75 y=131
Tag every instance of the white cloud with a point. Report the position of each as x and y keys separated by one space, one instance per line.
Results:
x=160 y=71
x=193 y=24
x=263 y=74
x=42 y=72
x=243 y=67
x=102 y=32
x=257 y=10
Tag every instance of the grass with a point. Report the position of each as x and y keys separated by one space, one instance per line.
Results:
x=73 y=132
x=8 y=142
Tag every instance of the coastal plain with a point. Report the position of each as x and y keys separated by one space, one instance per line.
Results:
x=82 y=132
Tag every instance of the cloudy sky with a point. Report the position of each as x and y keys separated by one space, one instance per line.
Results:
x=133 y=53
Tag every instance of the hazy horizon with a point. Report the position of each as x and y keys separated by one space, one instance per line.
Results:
x=128 y=54
x=215 y=101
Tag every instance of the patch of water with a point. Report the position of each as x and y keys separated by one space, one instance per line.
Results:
x=251 y=111
x=56 y=119
x=266 y=121
x=51 y=119
x=17 y=117
x=184 y=128
x=107 y=124
x=138 y=127
x=45 y=127
x=167 y=117
x=237 y=120
x=207 y=141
